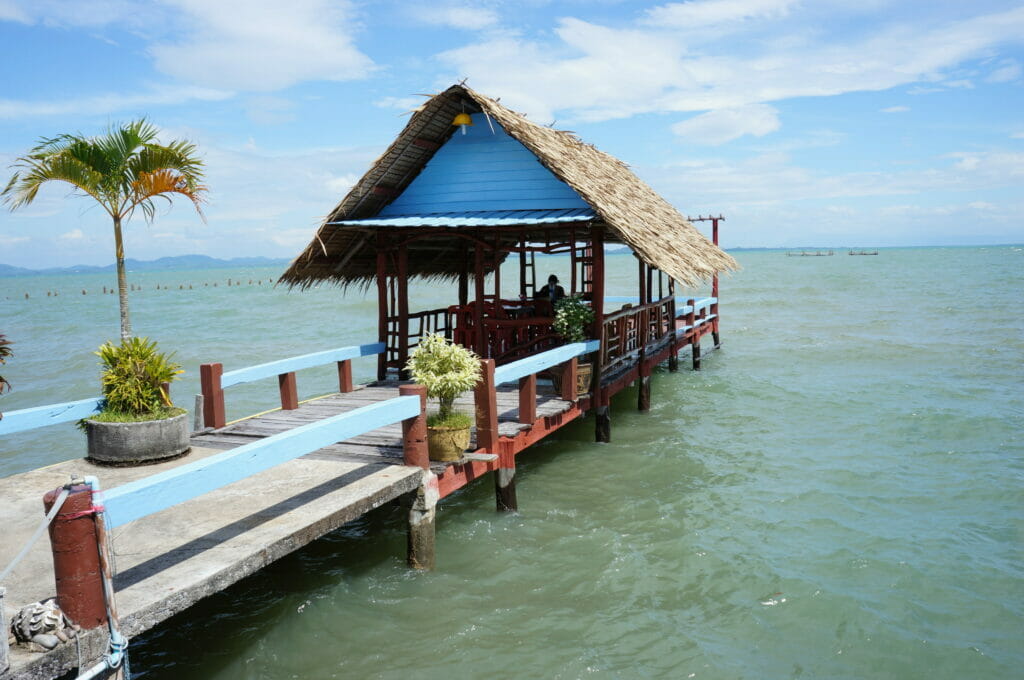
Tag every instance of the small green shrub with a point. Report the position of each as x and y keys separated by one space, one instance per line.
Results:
x=572 y=318
x=132 y=374
x=445 y=369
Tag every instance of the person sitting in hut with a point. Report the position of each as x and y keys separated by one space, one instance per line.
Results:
x=547 y=296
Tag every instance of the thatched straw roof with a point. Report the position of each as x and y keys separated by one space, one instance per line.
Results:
x=630 y=211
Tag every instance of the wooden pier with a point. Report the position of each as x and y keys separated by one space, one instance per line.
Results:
x=437 y=206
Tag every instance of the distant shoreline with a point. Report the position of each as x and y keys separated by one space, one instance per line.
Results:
x=198 y=262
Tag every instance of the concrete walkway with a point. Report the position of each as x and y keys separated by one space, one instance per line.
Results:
x=168 y=561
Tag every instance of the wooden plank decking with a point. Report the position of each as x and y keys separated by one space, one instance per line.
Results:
x=380 y=446
x=173 y=558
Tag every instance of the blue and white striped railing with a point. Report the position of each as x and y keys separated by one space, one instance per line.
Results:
x=538 y=362
x=681 y=303
x=160 y=491
x=52 y=414
x=292 y=364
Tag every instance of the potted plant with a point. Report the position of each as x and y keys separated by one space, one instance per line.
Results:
x=137 y=423
x=446 y=370
x=573 y=316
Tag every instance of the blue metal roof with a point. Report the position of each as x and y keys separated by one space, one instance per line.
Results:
x=484 y=169
x=477 y=218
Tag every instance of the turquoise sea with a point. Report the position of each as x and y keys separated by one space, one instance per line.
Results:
x=839 y=493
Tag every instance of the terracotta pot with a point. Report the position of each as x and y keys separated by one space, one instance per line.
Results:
x=140 y=443
x=447 y=444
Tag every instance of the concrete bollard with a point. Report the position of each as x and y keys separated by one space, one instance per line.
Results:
x=76 y=558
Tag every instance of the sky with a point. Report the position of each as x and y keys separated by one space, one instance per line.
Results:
x=804 y=122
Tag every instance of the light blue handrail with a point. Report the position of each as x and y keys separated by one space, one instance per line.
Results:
x=681 y=306
x=51 y=414
x=273 y=368
x=171 y=487
x=538 y=362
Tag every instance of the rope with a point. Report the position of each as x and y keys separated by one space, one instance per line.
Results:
x=38 y=532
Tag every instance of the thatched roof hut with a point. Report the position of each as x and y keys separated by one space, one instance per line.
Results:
x=597 y=191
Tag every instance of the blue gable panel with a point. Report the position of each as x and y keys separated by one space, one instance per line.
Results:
x=484 y=169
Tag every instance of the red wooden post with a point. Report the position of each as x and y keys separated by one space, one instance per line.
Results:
x=486 y=397
x=714 y=239
x=403 y=310
x=528 y=399
x=414 y=430
x=599 y=397
x=345 y=376
x=76 y=558
x=505 y=478
x=213 y=395
x=165 y=387
x=478 y=305
x=382 y=309
x=289 y=391
x=569 y=380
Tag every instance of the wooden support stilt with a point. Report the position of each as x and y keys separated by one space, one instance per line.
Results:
x=695 y=349
x=420 y=552
x=603 y=423
x=673 y=360
x=505 y=478
x=643 y=399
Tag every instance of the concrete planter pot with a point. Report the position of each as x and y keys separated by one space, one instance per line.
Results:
x=447 y=444
x=149 y=441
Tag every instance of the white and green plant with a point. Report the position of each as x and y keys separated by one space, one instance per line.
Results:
x=573 y=317
x=446 y=370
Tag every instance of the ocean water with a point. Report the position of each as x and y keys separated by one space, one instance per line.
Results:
x=837 y=494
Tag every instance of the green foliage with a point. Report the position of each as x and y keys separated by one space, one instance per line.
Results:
x=453 y=420
x=572 y=318
x=115 y=417
x=444 y=368
x=132 y=374
x=123 y=170
x=5 y=351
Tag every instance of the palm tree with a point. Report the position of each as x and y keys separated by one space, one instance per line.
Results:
x=123 y=169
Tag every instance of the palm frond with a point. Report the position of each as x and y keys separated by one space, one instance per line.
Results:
x=161 y=183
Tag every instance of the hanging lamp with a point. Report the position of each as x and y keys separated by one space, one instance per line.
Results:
x=463 y=120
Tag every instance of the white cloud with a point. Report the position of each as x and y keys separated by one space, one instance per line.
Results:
x=73 y=235
x=1008 y=72
x=13 y=240
x=704 y=13
x=896 y=109
x=725 y=125
x=263 y=45
x=456 y=16
x=10 y=11
x=109 y=103
x=594 y=72
x=1017 y=135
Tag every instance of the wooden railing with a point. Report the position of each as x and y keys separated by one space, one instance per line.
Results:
x=419 y=324
x=632 y=330
x=171 y=487
x=525 y=371
x=213 y=379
